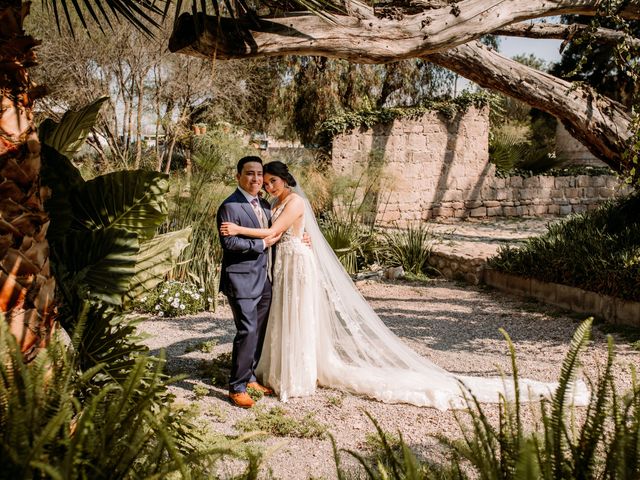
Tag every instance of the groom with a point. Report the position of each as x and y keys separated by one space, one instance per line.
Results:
x=245 y=279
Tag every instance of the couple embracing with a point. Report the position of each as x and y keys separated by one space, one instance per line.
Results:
x=301 y=321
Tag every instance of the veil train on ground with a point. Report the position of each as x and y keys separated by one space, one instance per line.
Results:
x=358 y=353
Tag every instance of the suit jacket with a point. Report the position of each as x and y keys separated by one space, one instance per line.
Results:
x=244 y=260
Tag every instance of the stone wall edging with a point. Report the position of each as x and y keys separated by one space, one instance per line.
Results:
x=613 y=310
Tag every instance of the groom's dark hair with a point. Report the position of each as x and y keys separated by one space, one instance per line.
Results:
x=250 y=158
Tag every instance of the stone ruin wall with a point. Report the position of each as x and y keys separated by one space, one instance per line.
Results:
x=435 y=167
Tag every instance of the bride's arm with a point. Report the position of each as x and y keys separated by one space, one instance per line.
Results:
x=292 y=211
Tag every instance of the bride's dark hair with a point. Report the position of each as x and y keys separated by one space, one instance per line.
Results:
x=280 y=170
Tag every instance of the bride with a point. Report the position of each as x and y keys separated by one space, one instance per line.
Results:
x=322 y=331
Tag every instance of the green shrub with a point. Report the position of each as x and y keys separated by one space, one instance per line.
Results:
x=173 y=298
x=597 y=251
x=511 y=153
x=350 y=240
x=56 y=422
x=409 y=247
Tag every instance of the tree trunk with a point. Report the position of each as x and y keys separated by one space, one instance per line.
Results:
x=140 y=85
x=600 y=123
x=26 y=284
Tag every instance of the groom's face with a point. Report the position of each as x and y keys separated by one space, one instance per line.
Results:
x=250 y=178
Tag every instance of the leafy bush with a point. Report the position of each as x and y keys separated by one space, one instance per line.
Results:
x=597 y=251
x=55 y=423
x=511 y=152
x=174 y=298
x=350 y=240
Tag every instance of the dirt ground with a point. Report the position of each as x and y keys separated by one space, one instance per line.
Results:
x=454 y=325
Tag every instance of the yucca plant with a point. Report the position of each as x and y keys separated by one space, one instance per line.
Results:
x=409 y=247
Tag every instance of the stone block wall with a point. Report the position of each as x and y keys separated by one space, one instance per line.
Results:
x=437 y=167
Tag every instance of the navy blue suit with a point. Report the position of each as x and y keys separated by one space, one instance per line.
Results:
x=244 y=281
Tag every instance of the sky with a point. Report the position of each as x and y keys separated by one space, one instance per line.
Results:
x=545 y=49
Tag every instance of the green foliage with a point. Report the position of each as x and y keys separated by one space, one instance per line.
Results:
x=391 y=458
x=603 y=445
x=368 y=118
x=172 y=299
x=68 y=135
x=597 y=251
x=347 y=238
x=276 y=422
x=216 y=370
x=193 y=203
x=611 y=68
x=512 y=152
x=205 y=347
x=54 y=424
x=409 y=247
x=314 y=89
x=200 y=391
x=101 y=242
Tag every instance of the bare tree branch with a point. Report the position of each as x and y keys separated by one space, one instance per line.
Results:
x=565 y=32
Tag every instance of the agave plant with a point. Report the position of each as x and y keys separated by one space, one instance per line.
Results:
x=409 y=247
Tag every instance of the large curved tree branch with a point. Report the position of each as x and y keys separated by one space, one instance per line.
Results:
x=566 y=32
x=367 y=40
x=598 y=122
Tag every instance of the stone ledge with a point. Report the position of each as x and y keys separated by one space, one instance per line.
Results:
x=613 y=310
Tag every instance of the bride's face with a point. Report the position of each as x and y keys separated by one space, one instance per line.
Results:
x=274 y=186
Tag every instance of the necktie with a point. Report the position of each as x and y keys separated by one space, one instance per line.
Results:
x=259 y=213
x=263 y=223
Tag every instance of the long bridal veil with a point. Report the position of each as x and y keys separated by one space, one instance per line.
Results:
x=358 y=353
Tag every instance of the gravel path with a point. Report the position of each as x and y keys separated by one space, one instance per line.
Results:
x=454 y=325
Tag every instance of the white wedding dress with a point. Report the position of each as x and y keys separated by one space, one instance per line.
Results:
x=289 y=361
x=321 y=329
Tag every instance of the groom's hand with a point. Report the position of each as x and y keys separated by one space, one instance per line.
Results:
x=268 y=241
x=306 y=239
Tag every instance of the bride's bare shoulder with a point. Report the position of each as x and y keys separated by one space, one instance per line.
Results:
x=295 y=201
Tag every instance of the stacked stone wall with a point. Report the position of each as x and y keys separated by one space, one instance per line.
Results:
x=437 y=167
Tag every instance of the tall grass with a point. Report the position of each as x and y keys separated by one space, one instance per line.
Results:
x=194 y=201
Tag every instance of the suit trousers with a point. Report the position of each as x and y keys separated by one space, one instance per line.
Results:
x=250 y=316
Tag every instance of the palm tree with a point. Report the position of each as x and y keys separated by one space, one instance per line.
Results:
x=27 y=286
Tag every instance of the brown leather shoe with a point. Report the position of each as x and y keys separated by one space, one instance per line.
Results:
x=261 y=388
x=241 y=399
